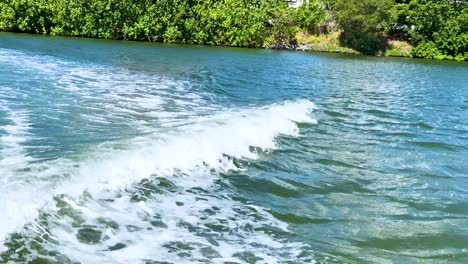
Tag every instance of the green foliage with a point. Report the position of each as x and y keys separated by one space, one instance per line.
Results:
x=451 y=39
x=214 y=22
x=7 y=17
x=311 y=14
x=427 y=50
x=363 y=22
x=283 y=27
x=396 y=53
x=438 y=28
x=399 y=49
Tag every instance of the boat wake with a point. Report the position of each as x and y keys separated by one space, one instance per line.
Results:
x=158 y=196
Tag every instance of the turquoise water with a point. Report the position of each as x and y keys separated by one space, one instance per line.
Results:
x=117 y=152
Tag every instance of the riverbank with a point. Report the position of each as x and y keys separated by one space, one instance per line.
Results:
x=330 y=42
x=325 y=43
x=345 y=26
x=322 y=43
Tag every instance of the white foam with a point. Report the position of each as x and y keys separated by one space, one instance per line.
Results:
x=150 y=242
x=13 y=157
x=41 y=63
x=206 y=142
x=194 y=150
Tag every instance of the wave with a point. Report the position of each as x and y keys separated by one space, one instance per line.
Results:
x=14 y=133
x=102 y=184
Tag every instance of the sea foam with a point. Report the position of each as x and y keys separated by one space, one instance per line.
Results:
x=191 y=156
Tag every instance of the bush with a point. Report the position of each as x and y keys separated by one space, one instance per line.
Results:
x=397 y=53
x=427 y=50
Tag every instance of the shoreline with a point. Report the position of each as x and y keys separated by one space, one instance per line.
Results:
x=309 y=47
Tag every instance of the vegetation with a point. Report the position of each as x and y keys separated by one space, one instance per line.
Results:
x=227 y=22
x=438 y=29
x=363 y=23
x=329 y=42
x=397 y=48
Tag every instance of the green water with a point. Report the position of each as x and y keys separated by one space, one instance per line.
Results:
x=120 y=152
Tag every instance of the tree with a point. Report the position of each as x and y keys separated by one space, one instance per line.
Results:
x=311 y=14
x=438 y=28
x=363 y=23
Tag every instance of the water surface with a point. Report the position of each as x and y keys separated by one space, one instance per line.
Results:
x=118 y=152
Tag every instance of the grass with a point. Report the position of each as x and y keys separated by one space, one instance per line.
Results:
x=324 y=43
x=331 y=43
x=398 y=48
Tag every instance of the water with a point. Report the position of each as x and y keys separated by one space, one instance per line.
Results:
x=117 y=152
